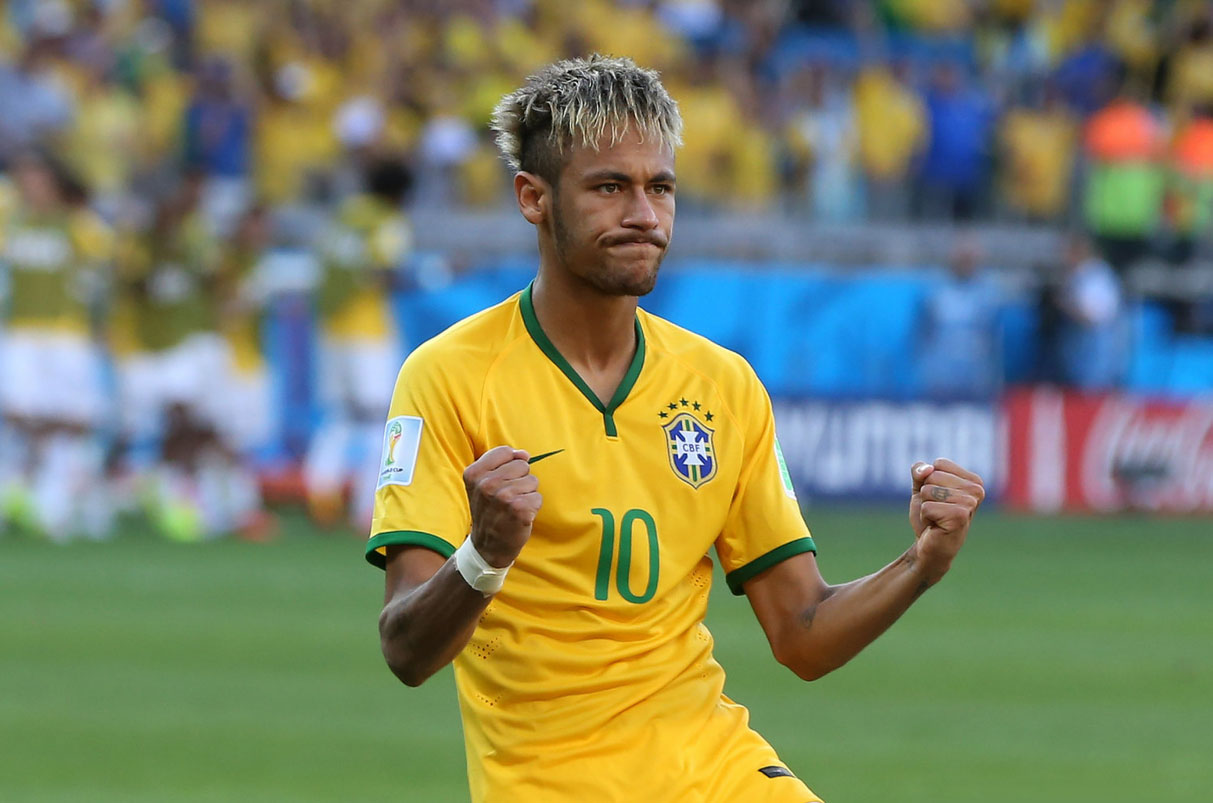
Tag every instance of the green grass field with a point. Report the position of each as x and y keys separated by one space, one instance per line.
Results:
x=1062 y=660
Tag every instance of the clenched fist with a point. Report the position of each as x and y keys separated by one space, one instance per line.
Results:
x=504 y=498
x=941 y=508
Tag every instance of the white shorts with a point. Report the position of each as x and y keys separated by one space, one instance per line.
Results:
x=49 y=374
x=193 y=373
x=357 y=376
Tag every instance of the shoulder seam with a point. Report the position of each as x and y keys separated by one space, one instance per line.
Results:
x=711 y=380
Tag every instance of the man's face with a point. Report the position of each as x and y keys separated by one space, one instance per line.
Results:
x=613 y=214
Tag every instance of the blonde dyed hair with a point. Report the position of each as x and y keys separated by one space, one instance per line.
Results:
x=580 y=102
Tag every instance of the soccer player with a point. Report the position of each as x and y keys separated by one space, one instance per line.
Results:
x=171 y=385
x=575 y=618
x=55 y=253
x=362 y=255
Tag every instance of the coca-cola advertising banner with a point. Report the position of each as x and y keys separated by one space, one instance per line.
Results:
x=1070 y=451
x=863 y=450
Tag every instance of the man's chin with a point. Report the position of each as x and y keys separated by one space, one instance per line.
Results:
x=629 y=285
x=631 y=280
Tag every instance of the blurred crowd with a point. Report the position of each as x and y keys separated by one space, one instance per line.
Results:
x=165 y=165
x=1040 y=110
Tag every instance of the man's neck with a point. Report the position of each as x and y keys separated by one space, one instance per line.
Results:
x=596 y=333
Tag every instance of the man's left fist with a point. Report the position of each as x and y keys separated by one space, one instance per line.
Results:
x=941 y=508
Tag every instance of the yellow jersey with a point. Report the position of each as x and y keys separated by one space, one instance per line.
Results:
x=590 y=676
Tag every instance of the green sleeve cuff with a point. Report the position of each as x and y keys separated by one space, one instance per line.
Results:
x=408 y=538
x=738 y=577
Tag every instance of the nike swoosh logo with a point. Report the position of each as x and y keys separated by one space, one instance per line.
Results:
x=543 y=456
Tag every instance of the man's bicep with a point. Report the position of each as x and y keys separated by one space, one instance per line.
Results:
x=408 y=567
x=786 y=595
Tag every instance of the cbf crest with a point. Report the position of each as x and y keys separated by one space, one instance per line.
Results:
x=690 y=444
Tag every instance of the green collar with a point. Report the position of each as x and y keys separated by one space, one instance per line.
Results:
x=548 y=348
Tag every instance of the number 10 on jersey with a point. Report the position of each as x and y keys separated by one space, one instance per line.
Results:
x=623 y=566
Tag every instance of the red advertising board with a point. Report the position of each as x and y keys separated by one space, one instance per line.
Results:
x=1107 y=452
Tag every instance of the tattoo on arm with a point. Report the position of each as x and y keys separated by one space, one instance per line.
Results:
x=908 y=560
x=809 y=614
x=807 y=617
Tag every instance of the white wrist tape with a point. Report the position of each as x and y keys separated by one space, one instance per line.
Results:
x=486 y=579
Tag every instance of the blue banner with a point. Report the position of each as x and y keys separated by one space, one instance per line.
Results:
x=863 y=450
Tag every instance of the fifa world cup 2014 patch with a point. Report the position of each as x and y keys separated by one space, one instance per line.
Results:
x=689 y=441
x=401 y=442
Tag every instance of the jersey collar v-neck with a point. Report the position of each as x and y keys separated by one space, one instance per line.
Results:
x=527 y=306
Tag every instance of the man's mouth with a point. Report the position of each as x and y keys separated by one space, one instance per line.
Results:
x=636 y=241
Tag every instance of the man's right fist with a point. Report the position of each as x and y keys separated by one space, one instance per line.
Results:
x=504 y=498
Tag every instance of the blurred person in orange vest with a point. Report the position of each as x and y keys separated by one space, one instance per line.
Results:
x=1123 y=196
x=1190 y=197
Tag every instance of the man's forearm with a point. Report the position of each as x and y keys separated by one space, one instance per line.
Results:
x=424 y=630
x=851 y=616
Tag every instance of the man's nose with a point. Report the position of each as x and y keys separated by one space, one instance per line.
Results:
x=640 y=213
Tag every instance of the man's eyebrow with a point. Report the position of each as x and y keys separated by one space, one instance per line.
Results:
x=663 y=177
x=609 y=175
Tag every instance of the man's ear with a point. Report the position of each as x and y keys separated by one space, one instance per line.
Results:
x=534 y=196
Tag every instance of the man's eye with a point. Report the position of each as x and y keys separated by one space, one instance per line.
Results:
x=661 y=189
x=609 y=187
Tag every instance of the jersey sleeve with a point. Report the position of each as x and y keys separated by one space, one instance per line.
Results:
x=420 y=498
x=764 y=524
